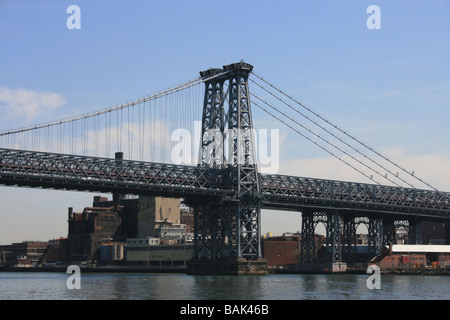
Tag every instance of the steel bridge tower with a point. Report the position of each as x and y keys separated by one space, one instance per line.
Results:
x=227 y=235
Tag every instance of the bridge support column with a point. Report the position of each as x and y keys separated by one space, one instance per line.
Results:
x=350 y=240
x=249 y=229
x=225 y=242
x=375 y=243
x=231 y=234
x=333 y=261
x=415 y=232
x=334 y=237
x=388 y=231
x=211 y=233
x=307 y=247
x=334 y=255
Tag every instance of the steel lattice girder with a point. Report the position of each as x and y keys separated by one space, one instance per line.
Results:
x=308 y=250
x=249 y=228
x=241 y=224
x=350 y=239
x=290 y=191
x=213 y=233
x=62 y=171
x=213 y=124
x=335 y=235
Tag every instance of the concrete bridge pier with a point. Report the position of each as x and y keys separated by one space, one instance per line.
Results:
x=238 y=266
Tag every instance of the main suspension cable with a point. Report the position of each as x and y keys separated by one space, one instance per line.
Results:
x=332 y=134
x=345 y=133
x=314 y=142
x=160 y=94
x=321 y=138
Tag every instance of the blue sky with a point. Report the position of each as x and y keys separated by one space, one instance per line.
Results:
x=389 y=87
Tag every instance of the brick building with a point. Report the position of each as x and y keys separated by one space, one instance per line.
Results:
x=127 y=209
x=414 y=256
x=284 y=251
x=88 y=229
x=116 y=221
x=281 y=251
x=56 y=251
x=23 y=254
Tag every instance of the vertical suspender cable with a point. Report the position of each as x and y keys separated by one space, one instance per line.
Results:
x=346 y=134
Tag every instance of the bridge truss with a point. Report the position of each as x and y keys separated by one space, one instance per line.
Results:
x=340 y=206
x=227 y=191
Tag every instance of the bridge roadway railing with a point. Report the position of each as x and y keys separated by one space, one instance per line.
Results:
x=72 y=172
x=294 y=193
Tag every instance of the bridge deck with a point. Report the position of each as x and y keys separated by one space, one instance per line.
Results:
x=281 y=192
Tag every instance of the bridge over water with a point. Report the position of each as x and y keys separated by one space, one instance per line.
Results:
x=225 y=188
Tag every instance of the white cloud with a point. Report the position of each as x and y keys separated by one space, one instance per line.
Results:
x=28 y=104
x=431 y=168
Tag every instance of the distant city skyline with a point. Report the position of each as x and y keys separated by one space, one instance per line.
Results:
x=390 y=87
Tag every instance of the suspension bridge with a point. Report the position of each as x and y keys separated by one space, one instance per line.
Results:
x=217 y=170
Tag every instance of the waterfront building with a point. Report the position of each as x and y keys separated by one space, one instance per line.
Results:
x=171 y=247
x=149 y=252
x=283 y=252
x=112 y=252
x=156 y=213
x=100 y=232
x=56 y=251
x=413 y=257
x=23 y=254
x=89 y=229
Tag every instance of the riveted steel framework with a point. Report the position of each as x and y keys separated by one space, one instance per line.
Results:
x=294 y=193
x=341 y=241
x=375 y=241
x=229 y=127
x=71 y=172
x=350 y=225
x=227 y=191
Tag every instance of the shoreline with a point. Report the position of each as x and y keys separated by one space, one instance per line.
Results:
x=115 y=269
x=406 y=272
x=106 y=269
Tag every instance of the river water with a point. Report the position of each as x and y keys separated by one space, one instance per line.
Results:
x=142 y=286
